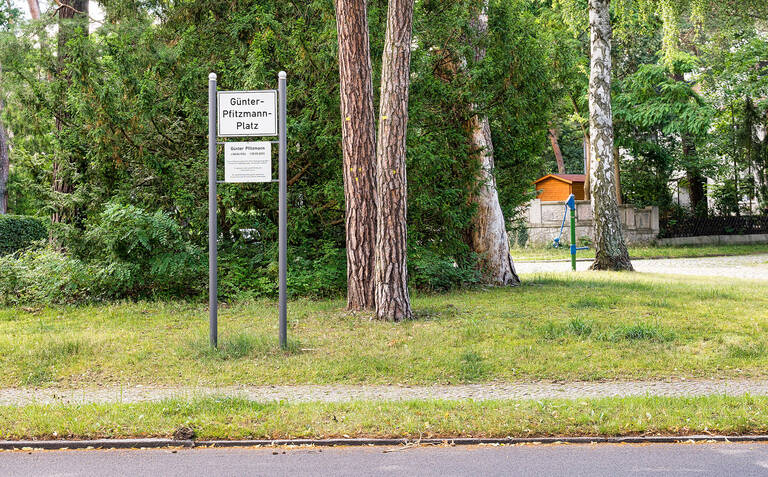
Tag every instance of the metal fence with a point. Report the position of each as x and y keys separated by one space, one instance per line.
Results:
x=698 y=226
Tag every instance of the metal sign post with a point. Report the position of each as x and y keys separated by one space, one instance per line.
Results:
x=213 y=299
x=247 y=113
x=283 y=212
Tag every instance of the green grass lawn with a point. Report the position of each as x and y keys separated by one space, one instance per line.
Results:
x=529 y=254
x=582 y=326
x=239 y=419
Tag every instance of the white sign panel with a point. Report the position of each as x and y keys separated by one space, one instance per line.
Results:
x=247 y=162
x=247 y=113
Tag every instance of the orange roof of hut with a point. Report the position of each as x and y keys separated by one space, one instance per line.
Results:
x=557 y=187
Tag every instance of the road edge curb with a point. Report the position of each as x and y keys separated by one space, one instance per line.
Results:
x=353 y=442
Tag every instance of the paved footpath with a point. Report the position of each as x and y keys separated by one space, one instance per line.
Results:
x=440 y=461
x=754 y=267
x=344 y=393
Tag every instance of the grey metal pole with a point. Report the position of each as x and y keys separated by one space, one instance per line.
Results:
x=213 y=304
x=283 y=234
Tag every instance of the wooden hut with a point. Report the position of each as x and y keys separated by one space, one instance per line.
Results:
x=557 y=187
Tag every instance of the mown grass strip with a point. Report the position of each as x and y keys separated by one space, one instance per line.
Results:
x=689 y=251
x=555 y=327
x=229 y=418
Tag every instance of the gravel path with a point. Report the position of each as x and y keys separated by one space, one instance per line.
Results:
x=753 y=267
x=342 y=393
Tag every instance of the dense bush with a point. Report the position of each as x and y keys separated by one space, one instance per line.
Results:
x=50 y=276
x=150 y=248
x=19 y=231
x=431 y=272
x=127 y=253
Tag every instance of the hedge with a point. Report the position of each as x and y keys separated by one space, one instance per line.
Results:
x=19 y=231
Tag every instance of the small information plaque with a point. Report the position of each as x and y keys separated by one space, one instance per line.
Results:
x=248 y=161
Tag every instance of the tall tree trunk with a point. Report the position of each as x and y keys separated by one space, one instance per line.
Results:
x=34 y=9
x=358 y=135
x=489 y=238
x=73 y=20
x=392 y=299
x=610 y=248
x=5 y=164
x=557 y=151
x=5 y=160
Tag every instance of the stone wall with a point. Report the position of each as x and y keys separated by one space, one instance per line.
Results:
x=641 y=226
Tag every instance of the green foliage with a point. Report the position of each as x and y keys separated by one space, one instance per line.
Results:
x=18 y=232
x=654 y=108
x=429 y=271
x=49 y=276
x=134 y=92
x=128 y=253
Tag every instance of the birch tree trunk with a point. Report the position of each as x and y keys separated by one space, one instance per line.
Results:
x=610 y=248
x=392 y=299
x=73 y=20
x=358 y=136
x=489 y=238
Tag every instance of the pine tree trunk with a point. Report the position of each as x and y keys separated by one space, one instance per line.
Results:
x=392 y=300
x=557 y=151
x=489 y=238
x=5 y=162
x=358 y=136
x=610 y=248
x=34 y=9
x=5 y=166
x=73 y=20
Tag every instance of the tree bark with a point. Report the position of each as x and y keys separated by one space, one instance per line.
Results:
x=5 y=166
x=489 y=238
x=73 y=20
x=610 y=248
x=358 y=136
x=5 y=162
x=392 y=299
x=34 y=9
x=557 y=151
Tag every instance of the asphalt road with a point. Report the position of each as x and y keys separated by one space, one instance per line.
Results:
x=535 y=460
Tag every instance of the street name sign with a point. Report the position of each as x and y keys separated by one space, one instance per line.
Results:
x=248 y=161
x=247 y=113
x=238 y=114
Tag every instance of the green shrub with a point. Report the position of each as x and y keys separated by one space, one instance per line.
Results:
x=18 y=232
x=50 y=276
x=432 y=272
x=150 y=247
